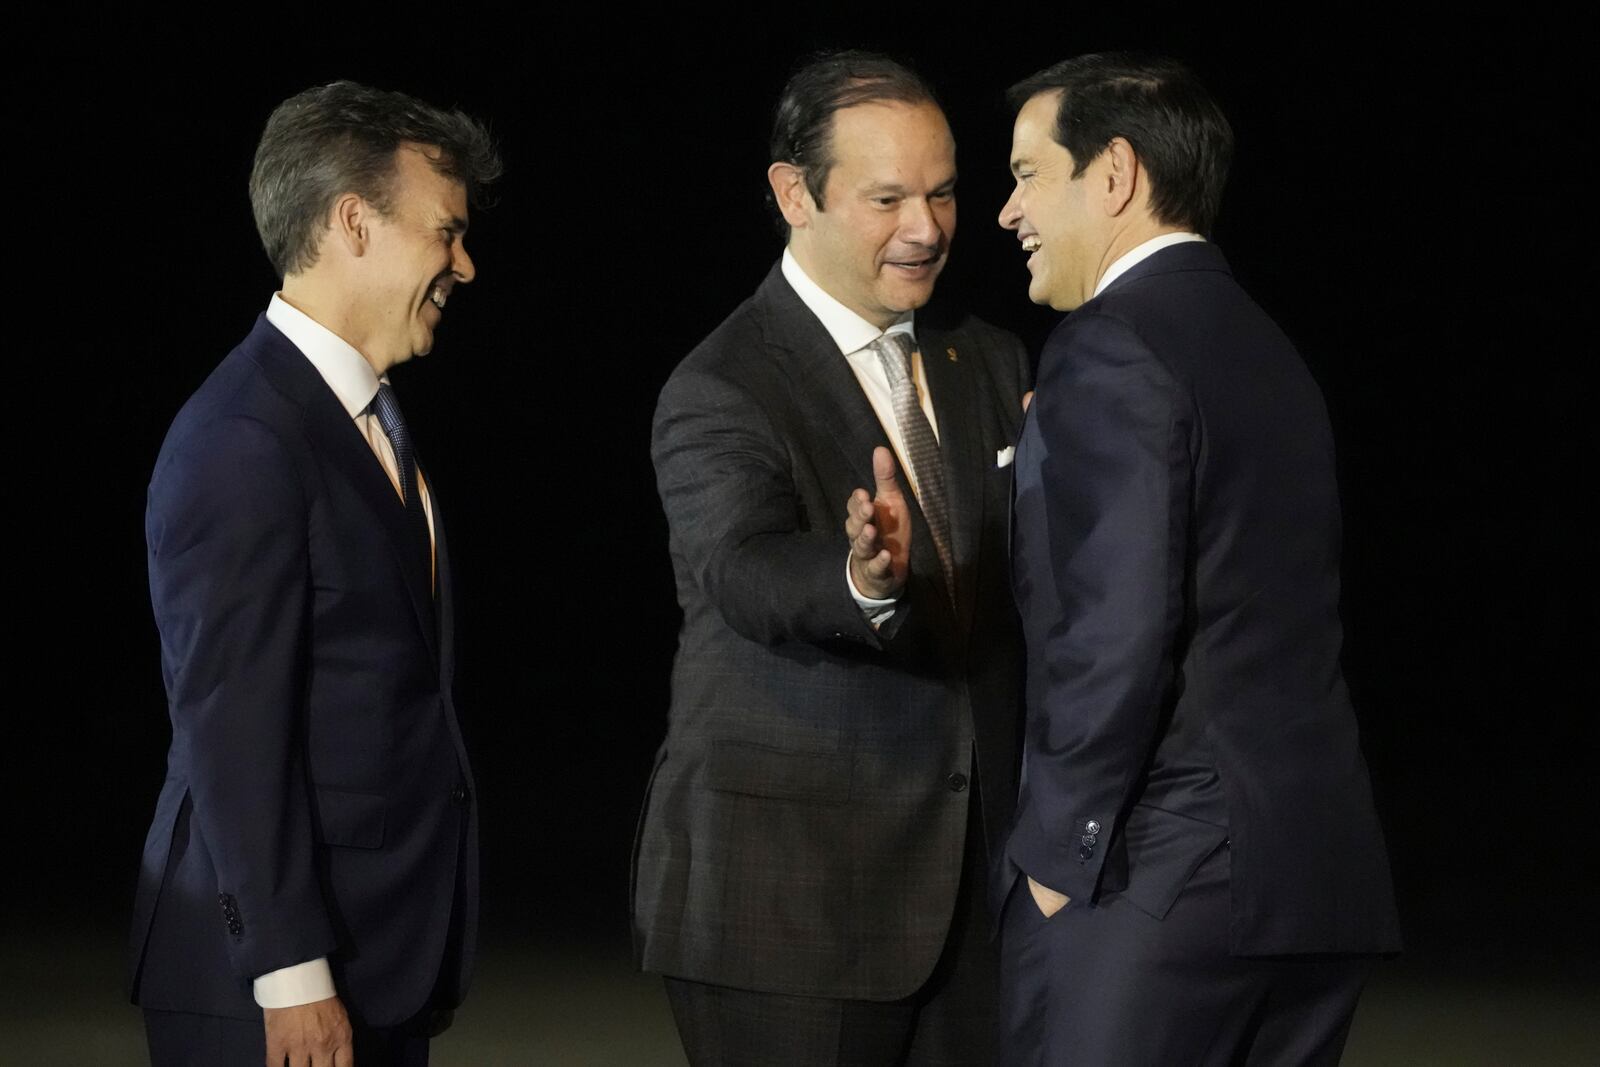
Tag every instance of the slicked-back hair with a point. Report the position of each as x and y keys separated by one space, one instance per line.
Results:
x=1180 y=135
x=823 y=85
x=342 y=138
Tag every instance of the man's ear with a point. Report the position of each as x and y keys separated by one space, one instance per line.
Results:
x=350 y=223
x=1124 y=177
x=789 y=190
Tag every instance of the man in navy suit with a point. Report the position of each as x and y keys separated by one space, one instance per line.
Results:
x=1196 y=871
x=309 y=885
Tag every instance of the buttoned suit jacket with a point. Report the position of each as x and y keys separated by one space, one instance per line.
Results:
x=804 y=825
x=1176 y=560
x=318 y=799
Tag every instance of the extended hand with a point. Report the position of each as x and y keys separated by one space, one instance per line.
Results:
x=879 y=530
x=309 y=1035
x=1048 y=900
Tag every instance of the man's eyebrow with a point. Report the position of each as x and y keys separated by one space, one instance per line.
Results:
x=1018 y=162
x=454 y=223
x=900 y=190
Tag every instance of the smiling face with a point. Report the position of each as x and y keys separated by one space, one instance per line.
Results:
x=415 y=256
x=879 y=243
x=1056 y=217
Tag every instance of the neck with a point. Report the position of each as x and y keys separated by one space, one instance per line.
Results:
x=1131 y=236
x=330 y=306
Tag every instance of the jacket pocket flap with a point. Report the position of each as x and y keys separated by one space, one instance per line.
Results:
x=1164 y=850
x=354 y=820
x=763 y=771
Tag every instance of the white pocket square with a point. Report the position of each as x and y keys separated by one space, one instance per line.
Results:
x=1004 y=457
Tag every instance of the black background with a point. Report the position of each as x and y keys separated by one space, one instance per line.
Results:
x=1407 y=200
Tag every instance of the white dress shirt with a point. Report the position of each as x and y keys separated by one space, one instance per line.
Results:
x=854 y=334
x=355 y=383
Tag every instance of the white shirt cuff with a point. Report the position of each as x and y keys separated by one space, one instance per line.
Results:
x=876 y=611
x=289 y=987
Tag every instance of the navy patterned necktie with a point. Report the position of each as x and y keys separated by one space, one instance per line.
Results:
x=394 y=424
x=922 y=447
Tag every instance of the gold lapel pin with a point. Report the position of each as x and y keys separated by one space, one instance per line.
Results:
x=952 y=354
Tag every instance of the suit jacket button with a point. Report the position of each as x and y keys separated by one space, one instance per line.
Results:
x=1088 y=839
x=458 y=795
x=1091 y=827
x=1085 y=852
x=957 y=782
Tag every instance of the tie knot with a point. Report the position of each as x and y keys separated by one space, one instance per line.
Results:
x=387 y=408
x=894 y=349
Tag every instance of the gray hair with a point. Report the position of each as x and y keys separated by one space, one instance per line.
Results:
x=342 y=138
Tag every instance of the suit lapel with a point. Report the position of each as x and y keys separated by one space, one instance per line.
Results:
x=950 y=378
x=341 y=447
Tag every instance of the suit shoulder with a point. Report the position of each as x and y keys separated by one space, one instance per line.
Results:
x=235 y=411
x=1190 y=319
x=728 y=347
x=735 y=358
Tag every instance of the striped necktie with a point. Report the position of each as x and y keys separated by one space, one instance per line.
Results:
x=394 y=424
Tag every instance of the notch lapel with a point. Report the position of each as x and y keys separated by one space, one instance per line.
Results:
x=951 y=380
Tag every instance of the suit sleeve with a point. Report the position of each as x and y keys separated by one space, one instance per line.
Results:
x=738 y=525
x=229 y=581
x=1101 y=519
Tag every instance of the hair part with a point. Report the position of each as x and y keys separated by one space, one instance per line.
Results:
x=822 y=85
x=1158 y=106
x=342 y=138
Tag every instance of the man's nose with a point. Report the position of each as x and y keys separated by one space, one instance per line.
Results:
x=919 y=224
x=1010 y=213
x=461 y=264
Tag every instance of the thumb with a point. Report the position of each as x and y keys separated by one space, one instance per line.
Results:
x=883 y=472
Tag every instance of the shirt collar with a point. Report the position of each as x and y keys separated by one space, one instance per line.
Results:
x=849 y=331
x=1138 y=254
x=346 y=371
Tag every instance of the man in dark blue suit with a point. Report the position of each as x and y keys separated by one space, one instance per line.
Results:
x=309 y=885
x=1196 y=873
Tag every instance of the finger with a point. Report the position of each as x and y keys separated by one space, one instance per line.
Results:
x=880 y=566
x=344 y=1056
x=857 y=510
x=883 y=472
x=865 y=544
x=279 y=1053
x=1027 y=398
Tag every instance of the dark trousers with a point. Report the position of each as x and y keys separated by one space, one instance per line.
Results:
x=1111 y=985
x=950 y=1022
x=184 y=1039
